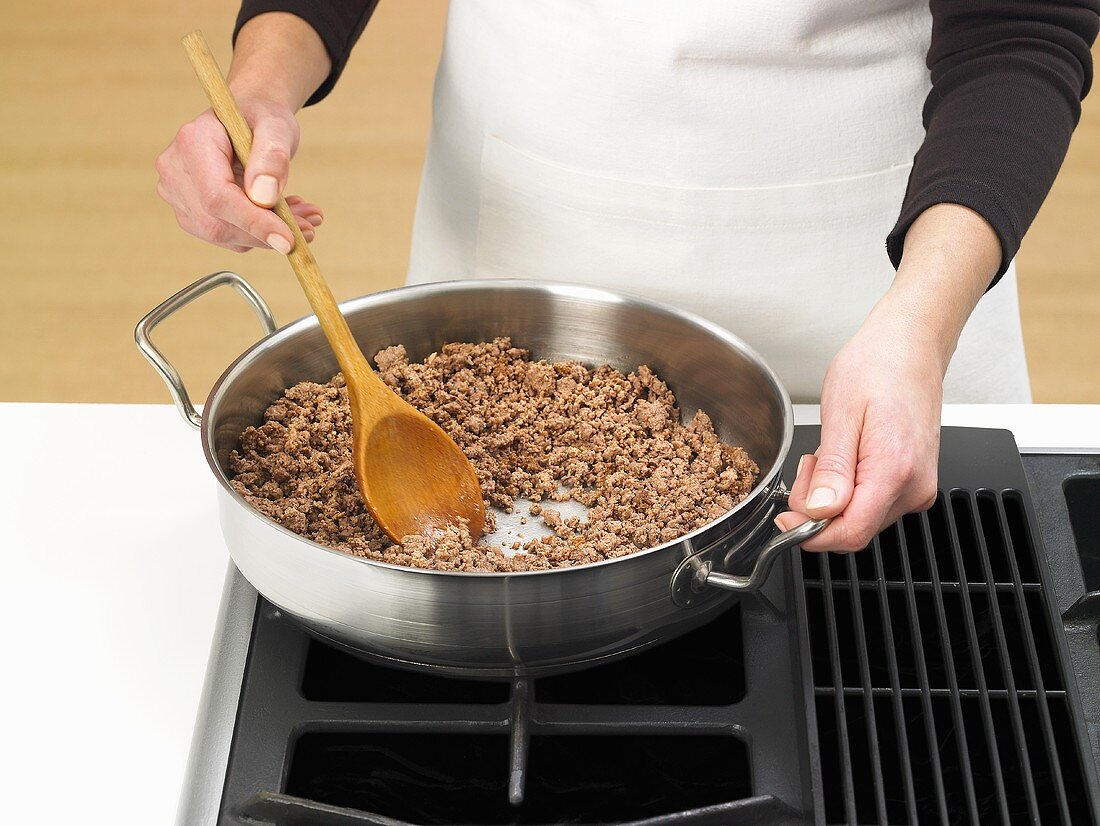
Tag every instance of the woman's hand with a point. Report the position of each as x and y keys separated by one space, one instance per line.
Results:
x=277 y=63
x=882 y=395
x=883 y=391
x=880 y=434
x=217 y=201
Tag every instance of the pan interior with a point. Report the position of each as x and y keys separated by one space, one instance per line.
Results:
x=706 y=367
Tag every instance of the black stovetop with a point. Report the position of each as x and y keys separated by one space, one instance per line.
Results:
x=927 y=679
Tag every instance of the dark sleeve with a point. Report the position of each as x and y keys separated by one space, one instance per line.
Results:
x=1008 y=77
x=338 y=22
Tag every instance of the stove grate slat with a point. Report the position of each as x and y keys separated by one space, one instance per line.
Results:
x=948 y=658
x=987 y=744
x=895 y=691
x=1016 y=542
x=965 y=693
x=842 y=730
x=921 y=667
x=868 y=699
x=947 y=587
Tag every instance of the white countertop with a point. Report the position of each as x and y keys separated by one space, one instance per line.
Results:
x=113 y=572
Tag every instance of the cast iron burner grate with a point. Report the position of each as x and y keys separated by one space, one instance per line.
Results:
x=921 y=681
x=326 y=738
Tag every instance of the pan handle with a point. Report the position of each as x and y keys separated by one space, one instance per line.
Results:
x=767 y=558
x=181 y=299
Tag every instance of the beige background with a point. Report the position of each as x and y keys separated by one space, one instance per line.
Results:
x=92 y=91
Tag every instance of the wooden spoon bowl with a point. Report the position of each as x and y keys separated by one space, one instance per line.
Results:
x=413 y=478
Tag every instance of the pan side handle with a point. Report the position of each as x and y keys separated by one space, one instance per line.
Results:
x=181 y=299
x=768 y=555
x=699 y=577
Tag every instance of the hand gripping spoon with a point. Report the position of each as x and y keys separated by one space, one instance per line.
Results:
x=413 y=477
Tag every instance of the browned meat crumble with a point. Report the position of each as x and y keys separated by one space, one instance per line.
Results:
x=532 y=429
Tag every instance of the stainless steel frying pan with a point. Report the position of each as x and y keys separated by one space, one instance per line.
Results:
x=503 y=624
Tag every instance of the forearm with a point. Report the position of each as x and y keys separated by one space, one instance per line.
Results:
x=279 y=58
x=951 y=255
x=337 y=23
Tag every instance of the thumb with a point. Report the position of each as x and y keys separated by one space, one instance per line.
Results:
x=274 y=140
x=834 y=475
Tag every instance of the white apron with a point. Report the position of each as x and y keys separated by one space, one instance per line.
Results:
x=740 y=160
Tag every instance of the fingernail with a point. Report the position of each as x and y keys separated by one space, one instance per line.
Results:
x=278 y=243
x=315 y=219
x=309 y=235
x=265 y=190
x=821 y=498
x=801 y=464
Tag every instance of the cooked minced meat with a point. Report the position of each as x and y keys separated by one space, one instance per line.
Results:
x=533 y=430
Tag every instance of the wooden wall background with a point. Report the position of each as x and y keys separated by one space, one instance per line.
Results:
x=92 y=91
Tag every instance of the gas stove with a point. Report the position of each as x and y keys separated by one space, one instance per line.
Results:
x=950 y=673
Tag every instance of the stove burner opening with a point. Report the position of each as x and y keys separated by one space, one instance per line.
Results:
x=703 y=668
x=463 y=778
x=331 y=675
x=1083 y=502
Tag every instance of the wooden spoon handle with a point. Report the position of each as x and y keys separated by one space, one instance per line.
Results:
x=317 y=291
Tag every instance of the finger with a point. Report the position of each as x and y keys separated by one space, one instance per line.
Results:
x=867 y=513
x=801 y=487
x=834 y=474
x=307 y=230
x=311 y=212
x=789 y=519
x=247 y=208
x=308 y=217
x=228 y=203
x=913 y=501
x=796 y=500
x=268 y=166
x=918 y=495
x=792 y=519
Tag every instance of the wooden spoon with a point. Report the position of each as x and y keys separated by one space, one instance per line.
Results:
x=413 y=477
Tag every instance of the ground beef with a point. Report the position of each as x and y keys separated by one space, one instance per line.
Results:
x=532 y=429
